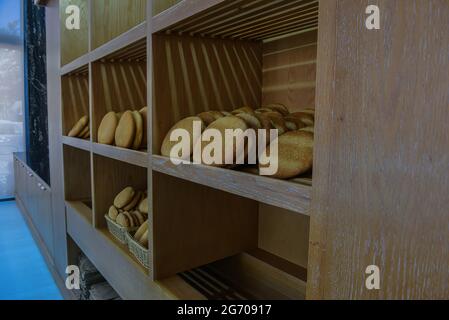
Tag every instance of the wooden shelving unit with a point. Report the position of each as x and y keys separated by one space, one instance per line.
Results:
x=247 y=232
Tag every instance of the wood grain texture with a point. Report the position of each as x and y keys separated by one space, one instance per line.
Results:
x=380 y=179
x=193 y=75
x=77 y=174
x=201 y=226
x=284 y=233
x=162 y=5
x=289 y=71
x=111 y=18
x=74 y=43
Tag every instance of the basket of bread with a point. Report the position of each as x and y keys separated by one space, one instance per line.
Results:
x=295 y=136
x=138 y=244
x=127 y=214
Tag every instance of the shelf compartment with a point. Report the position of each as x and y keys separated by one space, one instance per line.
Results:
x=111 y=18
x=75 y=97
x=74 y=43
x=209 y=225
x=119 y=83
x=243 y=19
x=283 y=194
x=110 y=178
x=78 y=182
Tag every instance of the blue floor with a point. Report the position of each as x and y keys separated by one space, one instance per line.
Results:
x=23 y=272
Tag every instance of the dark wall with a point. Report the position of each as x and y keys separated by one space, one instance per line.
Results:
x=36 y=115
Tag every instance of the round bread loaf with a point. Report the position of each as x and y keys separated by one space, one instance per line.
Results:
x=79 y=127
x=123 y=220
x=248 y=110
x=124 y=197
x=139 y=130
x=186 y=124
x=126 y=130
x=221 y=125
x=308 y=129
x=295 y=151
x=106 y=130
x=144 y=239
x=306 y=118
x=251 y=120
x=142 y=229
x=277 y=121
x=84 y=132
x=278 y=108
x=134 y=202
x=113 y=213
x=210 y=116
x=143 y=205
x=139 y=216
x=132 y=220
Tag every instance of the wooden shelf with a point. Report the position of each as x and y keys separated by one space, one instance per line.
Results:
x=82 y=144
x=113 y=46
x=284 y=194
x=180 y=11
x=239 y=19
x=137 y=33
x=133 y=157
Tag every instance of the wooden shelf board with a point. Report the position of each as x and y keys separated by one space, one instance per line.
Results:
x=79 y=63
x=137 y=33
x=77 y=143
x=284 y=194
x=133 y=157
x=81 y=209
x=179 y=12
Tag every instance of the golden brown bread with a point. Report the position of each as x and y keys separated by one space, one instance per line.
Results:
x=251 y=120
x=134 y=202
x=278 y=108
x=247 y=110
x=106 y=130
x=124 y=197
x=126 y=130
x=221 y=125
x=306 y=118
x=123 y=220
x=210 y=116
x=79 y=127
x=186 y=124
x=142 y=229
x=113 y=213
x=138 y=136
x=295 y=154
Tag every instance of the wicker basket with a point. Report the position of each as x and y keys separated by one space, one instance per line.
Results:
x=141 y=253
x=117 y=230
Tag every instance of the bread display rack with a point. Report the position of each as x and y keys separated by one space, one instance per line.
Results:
x=250 y=232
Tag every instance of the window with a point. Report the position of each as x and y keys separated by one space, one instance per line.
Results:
x=11 y=92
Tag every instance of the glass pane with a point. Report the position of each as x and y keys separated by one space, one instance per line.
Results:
x=11 y=92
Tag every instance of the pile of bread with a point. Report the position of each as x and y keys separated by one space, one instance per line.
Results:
x=130 y=210
x=295 y=133
x=81 y=129
x=124 y=129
